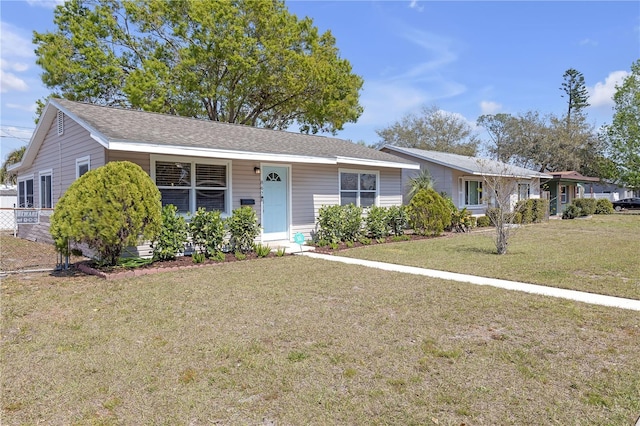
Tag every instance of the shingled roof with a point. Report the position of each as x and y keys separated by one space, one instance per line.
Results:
x=134 y=130
x=471 y=165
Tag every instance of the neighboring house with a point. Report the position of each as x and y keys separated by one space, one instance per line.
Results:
x=610 y=191
x=564 y=187
x=462 y=177
x=286 y=177
x=8 y=199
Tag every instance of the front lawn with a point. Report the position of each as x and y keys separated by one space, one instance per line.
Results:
x=599 y=254
x=295 y=340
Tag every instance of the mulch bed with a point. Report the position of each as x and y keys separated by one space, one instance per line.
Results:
x=179 y=263
x=186 y=262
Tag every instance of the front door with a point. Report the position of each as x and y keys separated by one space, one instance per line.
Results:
x=275 y=203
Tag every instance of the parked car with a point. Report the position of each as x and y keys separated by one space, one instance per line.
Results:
x=627 y=203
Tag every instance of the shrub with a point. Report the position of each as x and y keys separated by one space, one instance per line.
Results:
x=197 y=257
x=243 y=227
x=172 y=236
x=483 y=221
x=572 y=211
x=108 y=208
x=240 y=255
x=281 y=251
x=396 y=219
x=604 y=206
x=539 y=209
x=525 y=208
x=207 y=231
x=352 y=222
x=428 y=213
x=262 y=250
x=339 y=223
x=587 y=205
x=376 y=222
x=461 y=220
x=329 y=221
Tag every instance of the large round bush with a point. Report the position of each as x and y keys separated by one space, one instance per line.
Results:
x=428 y=212
x=109 y=208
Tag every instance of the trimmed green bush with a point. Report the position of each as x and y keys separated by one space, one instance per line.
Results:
x=243 y=227
x=397 y=219
x=572 y=211
x=604 y=206
x=108 y=208
x=539 y=209
x=587 y=205
x=461 y=220
x=483 y=221
x=376 y=222
x=172 y=236
x=428 y=213
x=207 y=231
x=339 y=223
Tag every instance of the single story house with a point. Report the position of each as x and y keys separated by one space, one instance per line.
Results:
x=462 y=177
x=564 y=187
x=286 y=177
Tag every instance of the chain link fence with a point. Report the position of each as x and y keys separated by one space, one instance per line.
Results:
x=22 y=254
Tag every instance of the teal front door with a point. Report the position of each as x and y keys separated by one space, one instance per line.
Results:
x=275 y=203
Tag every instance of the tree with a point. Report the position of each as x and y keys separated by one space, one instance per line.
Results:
x=623 y=134
x=108 y=208
x=247 y=62
x=13 y=157
x=499 y=187
x=575 y=91
x=433 y=130
x=499 y=128
x=422 y=180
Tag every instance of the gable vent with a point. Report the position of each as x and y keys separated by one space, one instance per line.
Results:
x=60 y=123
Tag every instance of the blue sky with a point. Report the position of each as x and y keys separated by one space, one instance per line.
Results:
x=467 y=58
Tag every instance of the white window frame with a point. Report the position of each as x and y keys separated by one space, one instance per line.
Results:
x=528 y=195
x=564 y=190
x=463 y=192
x=41 y=191
x=82 y=161
x=22 y=195
x=192 y=188
x=376 y=201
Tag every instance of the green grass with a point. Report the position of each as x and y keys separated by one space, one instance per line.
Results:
x=294 y=340
x=597 y=255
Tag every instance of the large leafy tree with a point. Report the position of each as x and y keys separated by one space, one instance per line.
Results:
x=239 y=61
x=433 y=130
x=623 y=134
x=575 y=91
x=499 y=127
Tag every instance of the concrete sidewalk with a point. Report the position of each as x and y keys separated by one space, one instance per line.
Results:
x=580 y=296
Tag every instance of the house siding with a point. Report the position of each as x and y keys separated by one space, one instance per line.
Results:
x=58 y=153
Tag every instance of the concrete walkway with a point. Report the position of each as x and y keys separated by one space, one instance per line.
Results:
x=580 y=296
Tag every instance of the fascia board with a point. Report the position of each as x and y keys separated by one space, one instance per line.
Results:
x=215 y=153
x=377 y=163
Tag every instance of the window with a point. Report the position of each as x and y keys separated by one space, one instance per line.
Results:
x=82 y=165
x=563 y=194
x=46 y=199
x=189 y=185
x=25 y=192
x=472 y=192
x=359 y=188
x=524 y=191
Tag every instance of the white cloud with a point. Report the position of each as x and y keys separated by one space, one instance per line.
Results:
x=414 y=4
x=47 y=4
x=602 y=93
x=9 y=82
x=14 y=44
x=588 y=41
x=489 y=107
x=29 y=108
